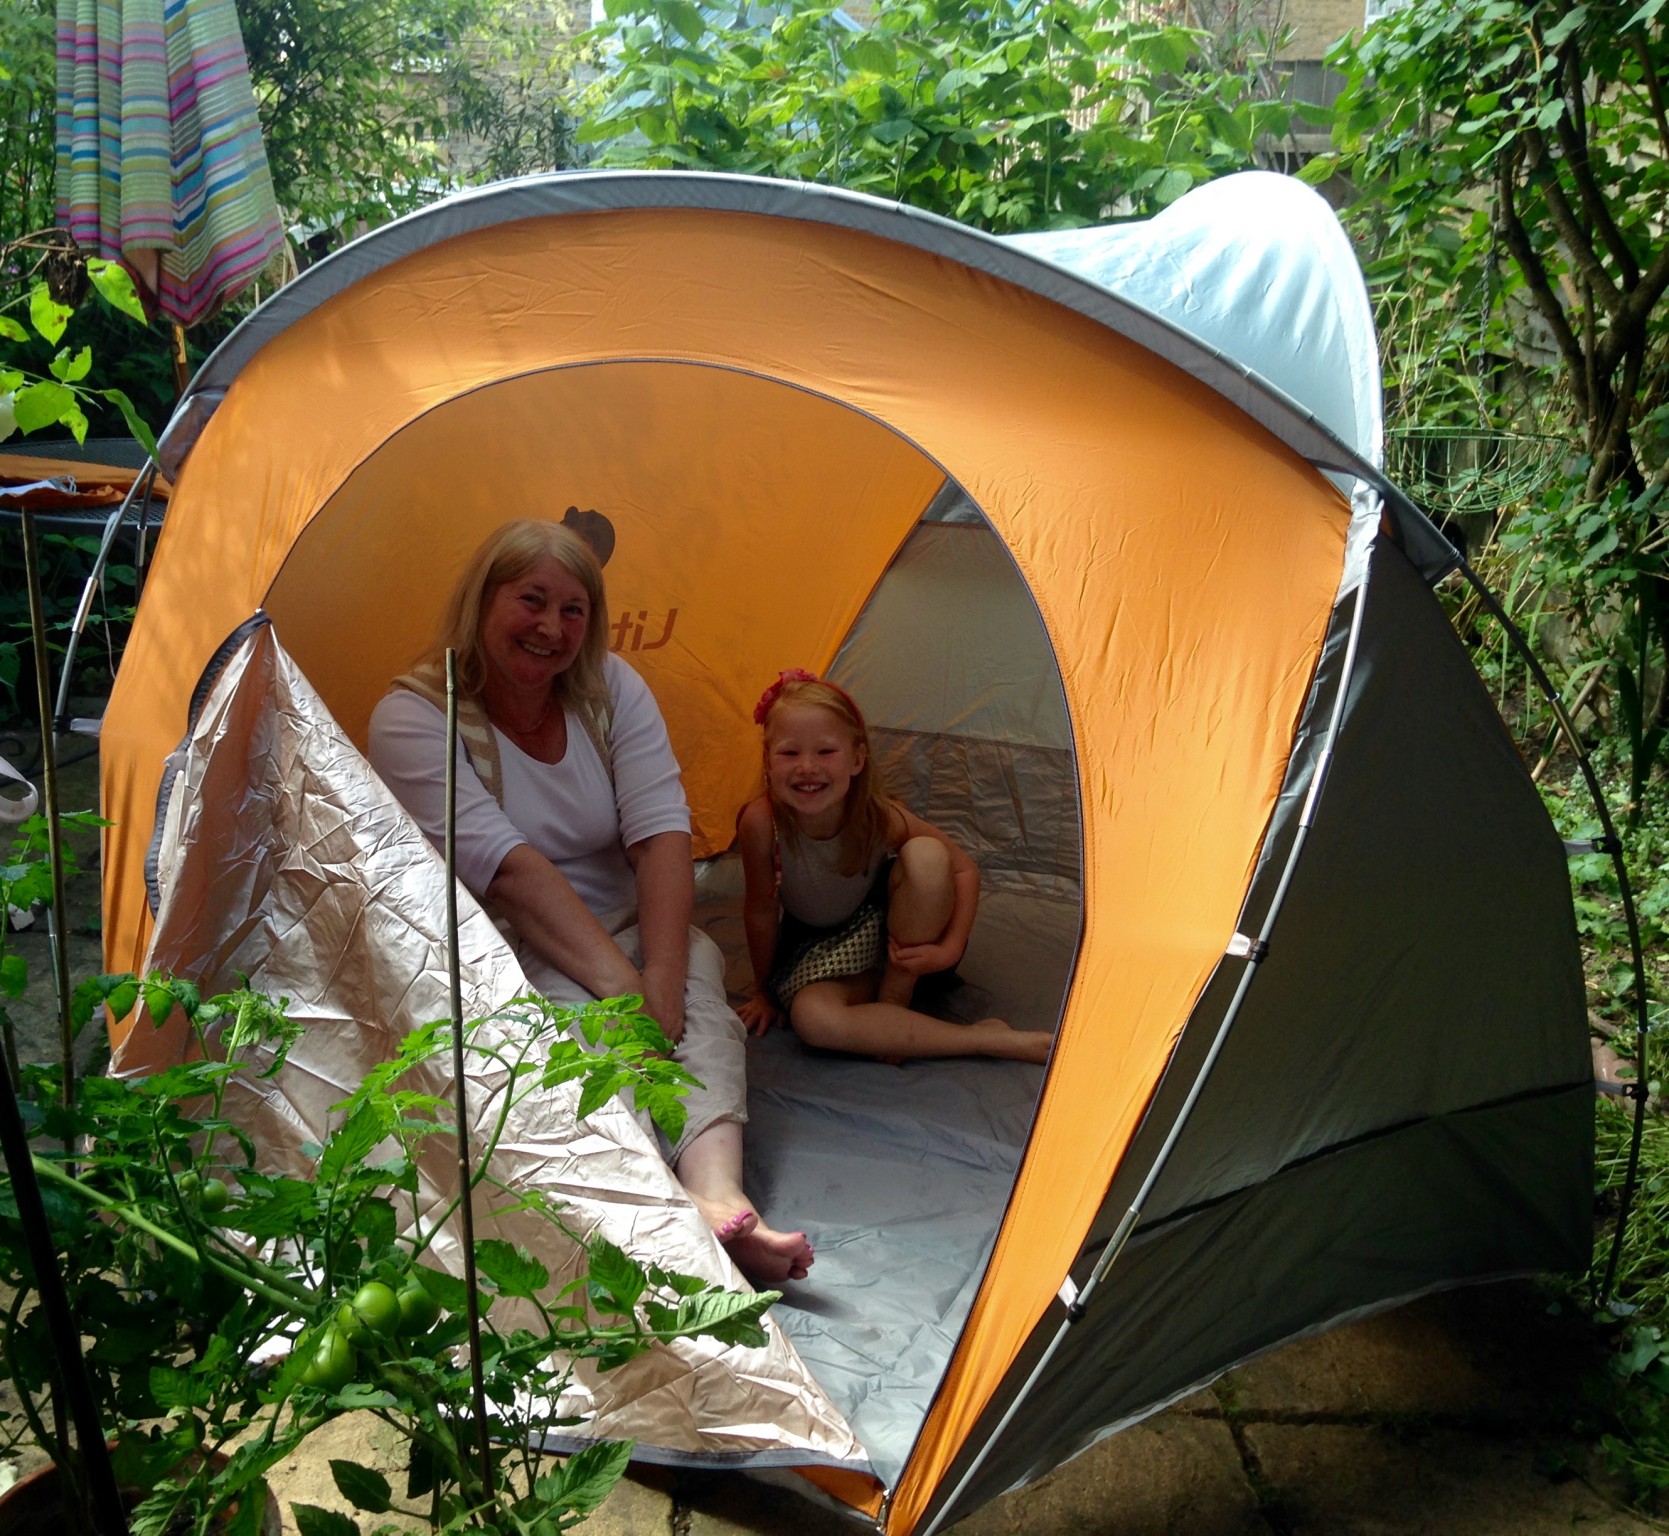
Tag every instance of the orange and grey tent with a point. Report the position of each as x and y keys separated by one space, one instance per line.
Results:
x=1093 y=526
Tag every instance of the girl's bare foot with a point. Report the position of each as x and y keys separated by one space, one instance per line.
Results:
x=1003 y=1039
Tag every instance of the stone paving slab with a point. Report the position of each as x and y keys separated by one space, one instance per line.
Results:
x=1337 y=1480
x=1489 y=1354
x=1173 y=1475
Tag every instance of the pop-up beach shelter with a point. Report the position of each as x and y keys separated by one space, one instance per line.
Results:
x=1092 y=525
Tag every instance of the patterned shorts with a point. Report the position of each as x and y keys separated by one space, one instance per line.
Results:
x=806 y=954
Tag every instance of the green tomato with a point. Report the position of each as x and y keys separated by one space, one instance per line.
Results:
x=189 y=1183
x=213 y=1196
x=331 y=1362
x=375 y=1308
x=419 y=1311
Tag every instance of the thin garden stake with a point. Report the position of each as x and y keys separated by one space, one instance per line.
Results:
x=49 y=797
x=477 y=1381
x=1612 y=844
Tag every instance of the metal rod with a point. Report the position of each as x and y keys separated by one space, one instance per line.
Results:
x=1132 y=1216
x=112 y=527
x=466 y=1207
x=1567 y=726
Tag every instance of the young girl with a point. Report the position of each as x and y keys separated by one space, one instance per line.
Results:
x=871 y=897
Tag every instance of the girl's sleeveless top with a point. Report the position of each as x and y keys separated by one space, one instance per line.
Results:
x=811 y=886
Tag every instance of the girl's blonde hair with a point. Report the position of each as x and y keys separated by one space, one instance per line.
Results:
x=508 y=554
x=869 y=808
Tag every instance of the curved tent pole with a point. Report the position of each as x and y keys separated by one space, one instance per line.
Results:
x=1609 y=843
x=142 y=483
x=1241 y=947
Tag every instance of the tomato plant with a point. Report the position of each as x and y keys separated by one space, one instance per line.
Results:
x=185 y=1314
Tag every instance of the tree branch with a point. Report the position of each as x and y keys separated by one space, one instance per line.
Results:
x=1630 y=321
x=1578 y=241
x=1654 y=88
x=1535 y=275
x=1613 y=444
x=1573 y=136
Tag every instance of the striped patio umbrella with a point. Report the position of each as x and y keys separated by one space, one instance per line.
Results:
x=160 y=160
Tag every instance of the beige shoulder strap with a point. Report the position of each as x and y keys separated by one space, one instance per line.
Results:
x=428 y=681
x=598 y=720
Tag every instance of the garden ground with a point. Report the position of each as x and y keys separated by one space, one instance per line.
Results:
x=1451 y=1416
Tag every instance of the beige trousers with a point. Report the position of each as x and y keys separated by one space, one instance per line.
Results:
x=714 y=1047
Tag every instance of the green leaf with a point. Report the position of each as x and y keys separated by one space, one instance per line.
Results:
x=118 y=991
x=513 y=1271
x=363 y=1487
x=47 y=315
x=1567 y=24
x=448 y=1290
x=1171 y=186
x=11 y=330
x=44 y=404
x=587 y=1477
x=351 y=1143
x=135 y=424
x=175 y=1389
x=376 y=1222
x=873 y=53
x=272 y=1207
x=313 y=1521
x=115 y=286
x=14 y=974
x=685 y=19
x=732 y=1317
x=71 y=369
x=159 y=1002
x=616 y=1280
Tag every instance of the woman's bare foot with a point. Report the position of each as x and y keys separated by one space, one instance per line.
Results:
x=734 y=1226
x=763 y=1254
x=767 y=1256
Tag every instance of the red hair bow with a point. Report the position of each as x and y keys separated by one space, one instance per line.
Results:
x=774 y=692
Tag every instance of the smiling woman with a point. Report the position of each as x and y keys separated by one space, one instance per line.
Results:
x=573 y=830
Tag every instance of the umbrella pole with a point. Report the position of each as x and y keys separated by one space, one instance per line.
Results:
x=182 y=368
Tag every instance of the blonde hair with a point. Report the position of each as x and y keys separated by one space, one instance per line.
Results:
x=869 y=808
x=508 y=554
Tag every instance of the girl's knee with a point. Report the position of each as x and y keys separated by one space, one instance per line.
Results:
x=815 y=1016
x=922 y=861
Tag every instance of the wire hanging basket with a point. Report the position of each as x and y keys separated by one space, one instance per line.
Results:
x=1455 y=471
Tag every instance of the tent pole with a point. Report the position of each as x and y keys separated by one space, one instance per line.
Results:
x=1612 y=844
x=1252 y=951
x=112 y=527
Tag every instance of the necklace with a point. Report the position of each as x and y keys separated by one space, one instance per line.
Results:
x=544 y=715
